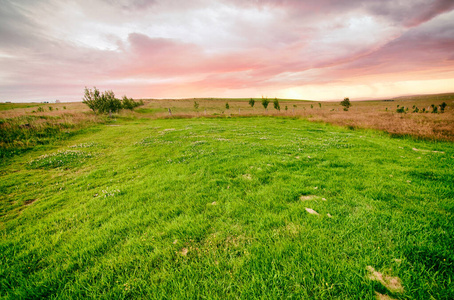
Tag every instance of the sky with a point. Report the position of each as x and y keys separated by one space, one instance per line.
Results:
x=319 y=50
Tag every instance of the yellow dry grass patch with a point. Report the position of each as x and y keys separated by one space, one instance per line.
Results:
x=289 y=230
x=382 y=296
x=393 y=284
x=308 y=197
x=247 y=176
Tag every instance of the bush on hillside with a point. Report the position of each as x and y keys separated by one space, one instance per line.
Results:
x=106 y=102
x=276 y=104
x=346 y=103
x=265 y=102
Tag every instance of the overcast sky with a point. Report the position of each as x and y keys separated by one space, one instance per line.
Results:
x=324 y=49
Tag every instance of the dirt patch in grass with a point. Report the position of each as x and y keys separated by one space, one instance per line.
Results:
x=308 y=197
x=382 y=296
x=391 y=283
x=29 y=202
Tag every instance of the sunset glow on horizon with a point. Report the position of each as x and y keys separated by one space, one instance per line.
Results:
x=319 y=50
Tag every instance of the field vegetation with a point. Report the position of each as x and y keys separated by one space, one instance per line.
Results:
x=380 y=114
x=22 y=129
x=216 y=203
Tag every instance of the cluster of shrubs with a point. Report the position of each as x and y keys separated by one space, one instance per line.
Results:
x=41 y=109
x=265 y=103
x=106 y=102
x=442 y=106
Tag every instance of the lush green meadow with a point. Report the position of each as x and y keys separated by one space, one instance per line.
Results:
x=221 y=208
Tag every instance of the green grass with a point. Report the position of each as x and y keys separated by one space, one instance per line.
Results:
x=210 y=208
x=20 y=134
x=8 y=106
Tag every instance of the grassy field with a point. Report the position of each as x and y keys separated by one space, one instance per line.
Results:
x=257 y=207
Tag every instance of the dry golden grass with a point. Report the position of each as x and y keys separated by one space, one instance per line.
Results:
x=23 y=127
x=379 y=115
x=58 y=109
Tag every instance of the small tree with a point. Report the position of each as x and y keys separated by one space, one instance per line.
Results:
x=91 y=98
x=434 y=109
x=320 y=105
x=346 y=103
x=227 y=106
x=276 y=104
x=265 y=103
x=442 y=107
x=196 y=105
x=110 y=103
x=251 y=102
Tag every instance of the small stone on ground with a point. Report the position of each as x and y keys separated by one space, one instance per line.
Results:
x=311 y=211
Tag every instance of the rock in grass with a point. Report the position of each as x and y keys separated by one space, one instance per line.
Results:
x=311 y=211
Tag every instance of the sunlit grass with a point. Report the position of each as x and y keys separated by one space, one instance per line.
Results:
x=218 y=208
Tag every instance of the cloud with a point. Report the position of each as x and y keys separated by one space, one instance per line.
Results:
x=424 y=51
x=226 y=47
x=411 y=13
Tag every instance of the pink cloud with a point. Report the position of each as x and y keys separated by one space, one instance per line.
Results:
x=148 y=48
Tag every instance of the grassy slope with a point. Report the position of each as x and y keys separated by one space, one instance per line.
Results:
x=8 y=106
x=210 y=207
